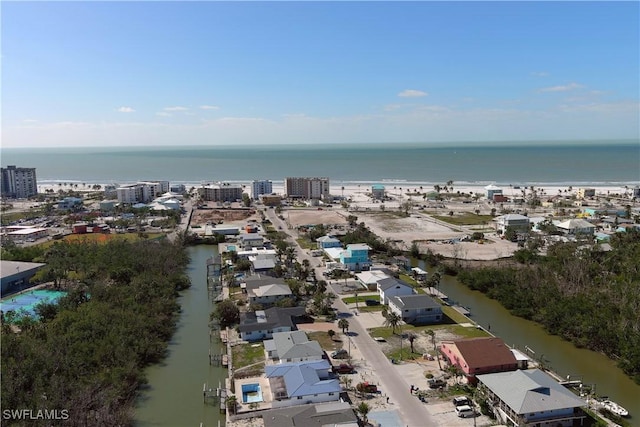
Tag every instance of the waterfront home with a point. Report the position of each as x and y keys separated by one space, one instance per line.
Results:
x=262 y=324
x=322 y=414
x=515 y=221
x=476 y=356
x=392 y=287
x=251 y=240
x=267 y=295
x=293 y=346
x=417 y=309
x=328 y=242
x=378 y=192
x=302 y=383
x=356 y=257
x=263 y=263
x=531 y=398
x=492 y=191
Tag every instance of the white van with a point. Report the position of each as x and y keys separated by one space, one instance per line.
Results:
x=465 y=411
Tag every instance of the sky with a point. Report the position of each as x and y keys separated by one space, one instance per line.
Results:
x=230 y=73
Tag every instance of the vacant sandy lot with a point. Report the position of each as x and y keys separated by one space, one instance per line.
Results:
x=298 y=217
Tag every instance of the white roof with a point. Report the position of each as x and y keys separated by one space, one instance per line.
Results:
x=371 y=277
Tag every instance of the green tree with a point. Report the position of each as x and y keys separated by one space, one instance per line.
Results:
x=364 y=409
x=226 y=313
x=343 y=324
x=393 y=320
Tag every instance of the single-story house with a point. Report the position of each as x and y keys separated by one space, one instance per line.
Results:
x=301 y=383
x=392 y=287
x=371 y=277
x=531 y=398
x=251 y=240
x=268 y=294
x=475 y=356
x=416 y=309
x=261 y=324
x=293 y=346
x=262 y=263
x=328 y=242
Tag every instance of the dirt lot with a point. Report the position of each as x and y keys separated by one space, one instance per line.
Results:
x=297 y=217
x=213 y=215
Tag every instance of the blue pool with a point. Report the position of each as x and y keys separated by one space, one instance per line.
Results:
x=25 y=303
x=251 y=393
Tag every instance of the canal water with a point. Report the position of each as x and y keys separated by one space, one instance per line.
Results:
x=560 y=356
x=173 y=396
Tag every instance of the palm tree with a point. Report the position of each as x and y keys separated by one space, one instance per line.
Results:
x=232 y=403
x=393 y=320
x=363 y=408
x=331 y=333
x=344 y=324
x=432 y=334
x=411 y=338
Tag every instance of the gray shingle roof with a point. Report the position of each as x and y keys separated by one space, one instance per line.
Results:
x=411 y=302
x=530 y=391
x=391 y=282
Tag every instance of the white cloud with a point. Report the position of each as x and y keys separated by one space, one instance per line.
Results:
x=177 y=108
x=412 y=93
x=562 y=88
x=126 y=110
x=209 y=107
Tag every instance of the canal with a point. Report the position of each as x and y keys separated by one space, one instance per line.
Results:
x=173 y=396
x=561 y=356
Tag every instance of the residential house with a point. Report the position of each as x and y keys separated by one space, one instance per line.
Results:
x=356 y=257
x=301 y=383
x=377 y=191
x=532 y=398
x=334 y=414
x=576 y=226
x=70 y=203
x=328 y=242
x=519 y=223
x=293 y=346
x=476 y=356
x=391 y=287
x=251 y=240
x=267 y=295
x=417 y=309
x=262 y=263
x=261 y=324
x=492 y=191
x=369 y=279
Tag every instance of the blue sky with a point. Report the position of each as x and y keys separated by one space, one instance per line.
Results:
x=205 y=73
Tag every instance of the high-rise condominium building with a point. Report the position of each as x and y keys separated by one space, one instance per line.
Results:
x=259 y=188
x=18 y=183
x=306 y=188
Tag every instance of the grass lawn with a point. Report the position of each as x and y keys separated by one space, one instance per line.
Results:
x=465 y=219
x=325 y=340
x=305 y=243
x=454 y=315
x=361 y=299
x=248 y=355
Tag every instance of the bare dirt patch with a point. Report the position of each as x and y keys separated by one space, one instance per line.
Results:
x=300 y=217
x=204 y=216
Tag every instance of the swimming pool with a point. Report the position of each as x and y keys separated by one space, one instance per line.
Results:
x=251 y=393
x=25 y=303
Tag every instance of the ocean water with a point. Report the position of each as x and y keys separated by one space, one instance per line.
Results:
x=568 y=163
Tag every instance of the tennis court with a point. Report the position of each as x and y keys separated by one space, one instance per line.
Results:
x=25 y=303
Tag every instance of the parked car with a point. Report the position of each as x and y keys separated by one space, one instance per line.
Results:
x=338 y=353
x=343 y=368
x=367 y=388
x=461 y=400
x=436 y=383
x=465 y=411
x=372 y=302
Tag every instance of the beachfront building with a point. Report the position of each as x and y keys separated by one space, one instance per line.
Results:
x=492 y=191
x=141 y=192
x=259 y=188
x=475 y=356
x=584 y=193
x=377 y=192
x=356 y=257
x=531 y=398
x=18 y=183
x=220 y=192
x=306 y=188
x=417 y=309
x=271 y=199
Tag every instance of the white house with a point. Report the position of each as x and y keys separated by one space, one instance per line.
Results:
x=576 y=226
x=268 y=294
x=292 y=346
x=302 y=383
x=371 y=277
x=416 y=309
x=516 y=221
x=392 y=287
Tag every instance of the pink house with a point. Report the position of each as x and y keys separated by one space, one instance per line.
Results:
x=476 y=356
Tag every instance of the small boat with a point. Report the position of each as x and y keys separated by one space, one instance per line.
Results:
x=614 y=408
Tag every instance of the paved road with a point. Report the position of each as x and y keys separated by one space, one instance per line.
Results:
x=413 y=412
